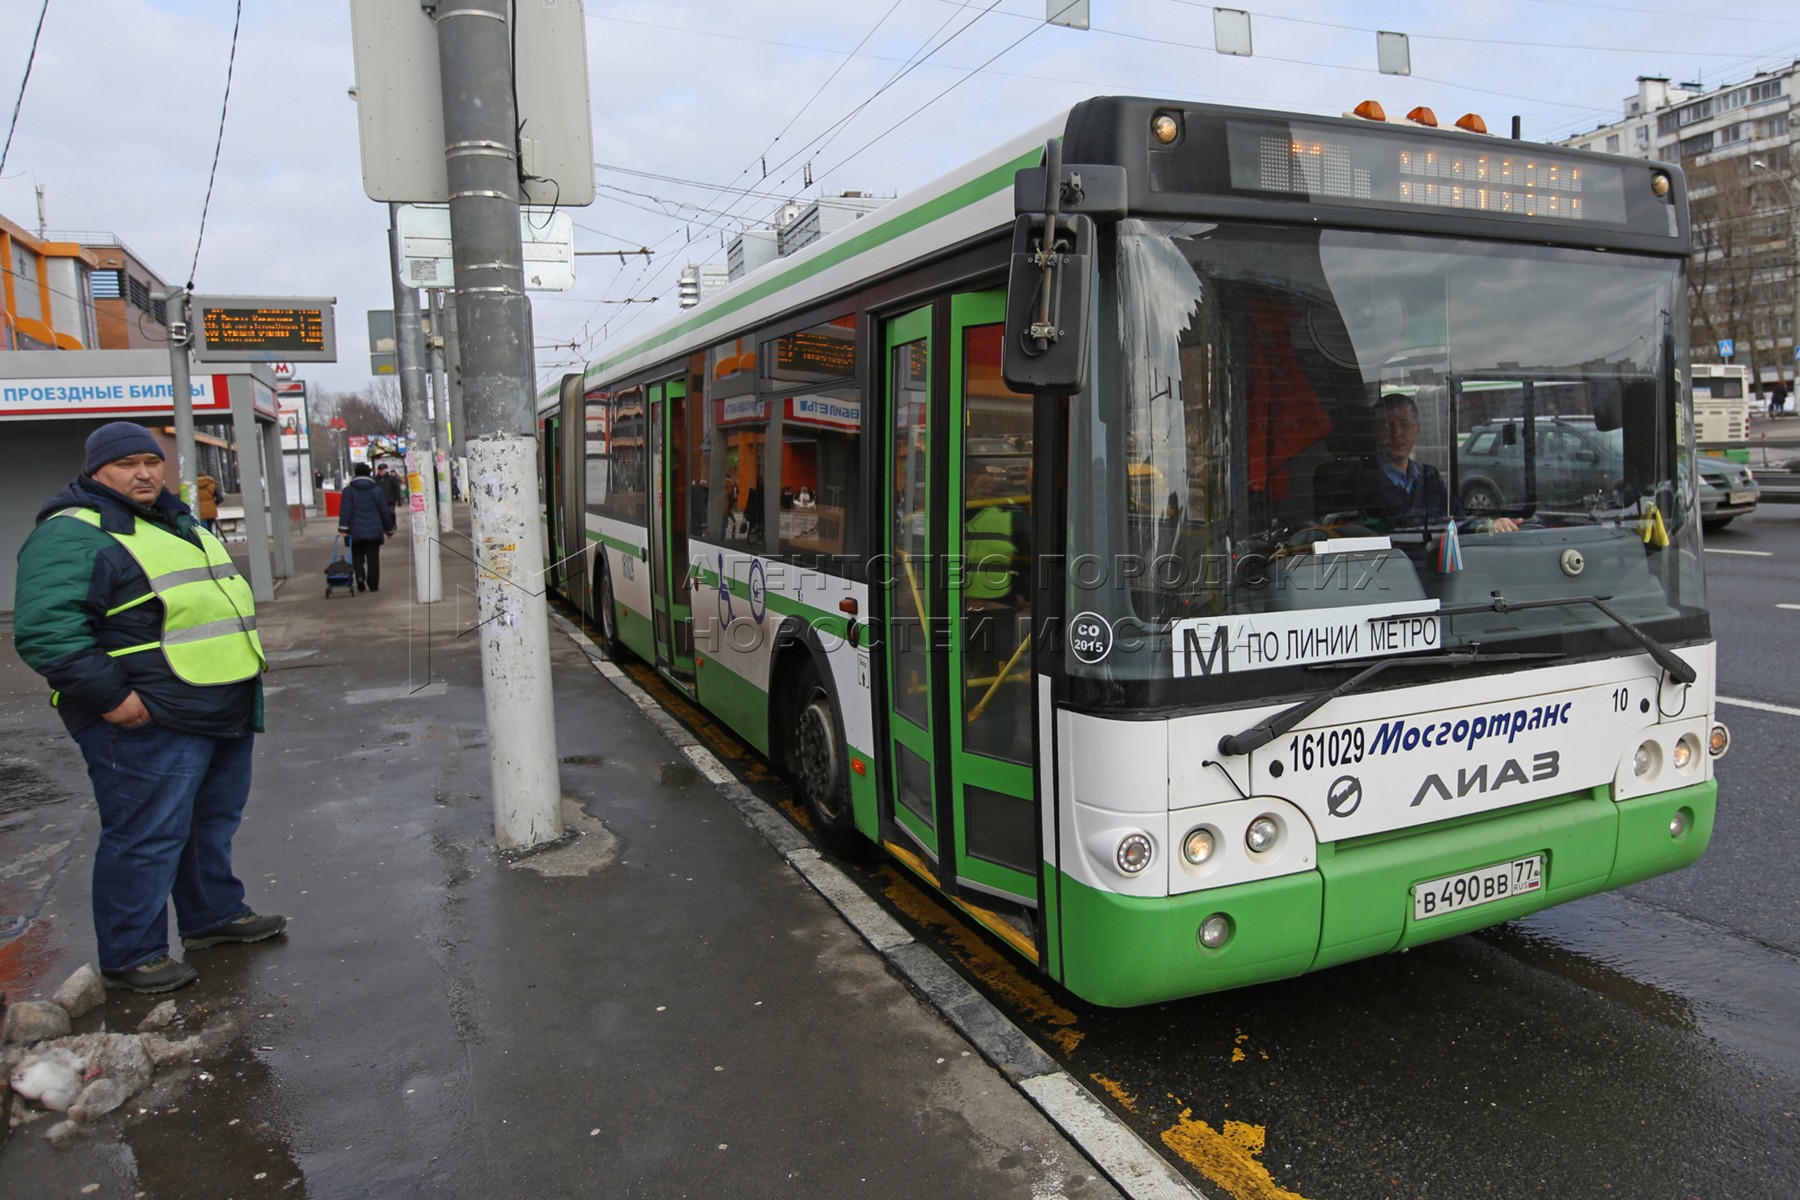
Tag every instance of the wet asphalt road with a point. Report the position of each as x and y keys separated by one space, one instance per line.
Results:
x=1640 y=1044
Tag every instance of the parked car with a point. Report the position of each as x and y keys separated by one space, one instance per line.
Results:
x=1727 y=490
x=1573 y=461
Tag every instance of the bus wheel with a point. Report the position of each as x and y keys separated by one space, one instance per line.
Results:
x=606 y=615
x=820 y=765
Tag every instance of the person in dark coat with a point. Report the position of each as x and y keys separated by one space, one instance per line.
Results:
x=391 y=486
x=1403 y=492
x=367 y=519
x=139 y=621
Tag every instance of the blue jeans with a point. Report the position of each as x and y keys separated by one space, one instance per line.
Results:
x=169 y=805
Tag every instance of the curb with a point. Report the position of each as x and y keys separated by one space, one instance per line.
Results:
x=1121 y=1155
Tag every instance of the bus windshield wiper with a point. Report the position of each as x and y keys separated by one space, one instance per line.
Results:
x=1665 y=657
x=1264 y=732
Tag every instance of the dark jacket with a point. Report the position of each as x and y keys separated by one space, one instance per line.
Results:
x=70 y=576
x=392 y=487
x=1425 y=501
x=364 y=511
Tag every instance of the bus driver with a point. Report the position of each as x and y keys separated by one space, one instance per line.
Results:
x=1401 y=490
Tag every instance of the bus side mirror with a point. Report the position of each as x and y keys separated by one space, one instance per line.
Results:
x=1049 y=304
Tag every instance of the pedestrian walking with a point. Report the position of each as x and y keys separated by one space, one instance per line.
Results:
x=367 y=519
x=208 y=487
x=1778 y=397
x=136 y=616
x=391 y=486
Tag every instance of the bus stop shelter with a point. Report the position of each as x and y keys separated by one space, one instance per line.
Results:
x=51 y=400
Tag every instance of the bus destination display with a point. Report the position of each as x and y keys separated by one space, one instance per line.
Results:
x=264 y=329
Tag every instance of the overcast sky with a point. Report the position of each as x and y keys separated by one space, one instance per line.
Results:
x=121 y=114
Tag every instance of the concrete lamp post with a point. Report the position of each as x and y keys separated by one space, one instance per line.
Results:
x=1793 y=255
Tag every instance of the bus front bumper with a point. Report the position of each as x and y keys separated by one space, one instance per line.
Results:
x=1123 y=951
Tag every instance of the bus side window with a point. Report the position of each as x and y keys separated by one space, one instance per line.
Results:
x=821 y=448
x=626 y=483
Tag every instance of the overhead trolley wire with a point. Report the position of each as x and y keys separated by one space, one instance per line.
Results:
x=224 y=107
x=20 y=102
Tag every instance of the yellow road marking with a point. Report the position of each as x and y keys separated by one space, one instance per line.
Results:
x=1126 y=1100
x=989 y=965
x=1230 y=1159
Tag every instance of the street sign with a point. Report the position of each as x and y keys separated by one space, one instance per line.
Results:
x=400 y=102
x=384 y=358
x=1726 y=347
x=264 y=329
x=546 y=240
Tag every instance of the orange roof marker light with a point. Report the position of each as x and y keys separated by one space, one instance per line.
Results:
x=1422 y=116
x=1471 y=122
x=1369 y=110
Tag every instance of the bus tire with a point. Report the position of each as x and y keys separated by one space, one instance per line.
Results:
x=819 y=764
x=605 y=610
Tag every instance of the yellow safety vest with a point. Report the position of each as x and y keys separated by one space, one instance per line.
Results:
x=988 y=546
x=209 y=616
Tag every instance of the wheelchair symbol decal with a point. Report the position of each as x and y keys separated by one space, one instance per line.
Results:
x=758 y=588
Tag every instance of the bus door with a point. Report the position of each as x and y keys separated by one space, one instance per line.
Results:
x=568 y=563
x=670 y=602
x=959 y=635
x=550 y=451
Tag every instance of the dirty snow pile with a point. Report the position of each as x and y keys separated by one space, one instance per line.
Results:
x=88 y=1075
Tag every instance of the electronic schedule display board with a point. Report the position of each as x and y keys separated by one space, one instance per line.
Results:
x=264 y=329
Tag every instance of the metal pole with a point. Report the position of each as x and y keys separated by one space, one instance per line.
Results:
x=251 y=462
x=459 y=451
x=280 y=524
x=428 y=579
x=453 y=370
x=187 y=466
x=440 y=413
x=481 y=139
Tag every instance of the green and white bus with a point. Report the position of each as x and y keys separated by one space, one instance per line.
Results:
x=1038 y=524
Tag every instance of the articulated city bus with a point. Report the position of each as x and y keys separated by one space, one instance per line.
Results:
x=1722 y=408
x=1085 y=531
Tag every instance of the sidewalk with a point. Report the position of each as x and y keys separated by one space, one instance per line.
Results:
x=684 y=1016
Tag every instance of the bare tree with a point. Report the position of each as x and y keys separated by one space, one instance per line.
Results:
x=1742 y=256
x=373 y=412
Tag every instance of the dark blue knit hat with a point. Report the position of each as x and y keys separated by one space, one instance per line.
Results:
x=116 y=440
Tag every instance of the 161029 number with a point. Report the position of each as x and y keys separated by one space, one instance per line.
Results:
x=1328 y=748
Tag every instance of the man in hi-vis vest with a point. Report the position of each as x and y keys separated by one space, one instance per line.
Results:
x=147 y=634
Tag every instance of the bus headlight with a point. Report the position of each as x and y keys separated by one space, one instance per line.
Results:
x=1646 y=760
x=1262 y=834
x=1198 y=845
x=1134 y=853
x=1686 y=751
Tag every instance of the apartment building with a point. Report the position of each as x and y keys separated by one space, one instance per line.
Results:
x=1734 y=144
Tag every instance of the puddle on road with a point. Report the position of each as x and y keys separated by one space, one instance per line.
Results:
x=677 y=774
x=24 y=787
x=1681 y=972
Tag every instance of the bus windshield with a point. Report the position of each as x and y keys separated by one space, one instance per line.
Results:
x=1311 y=443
